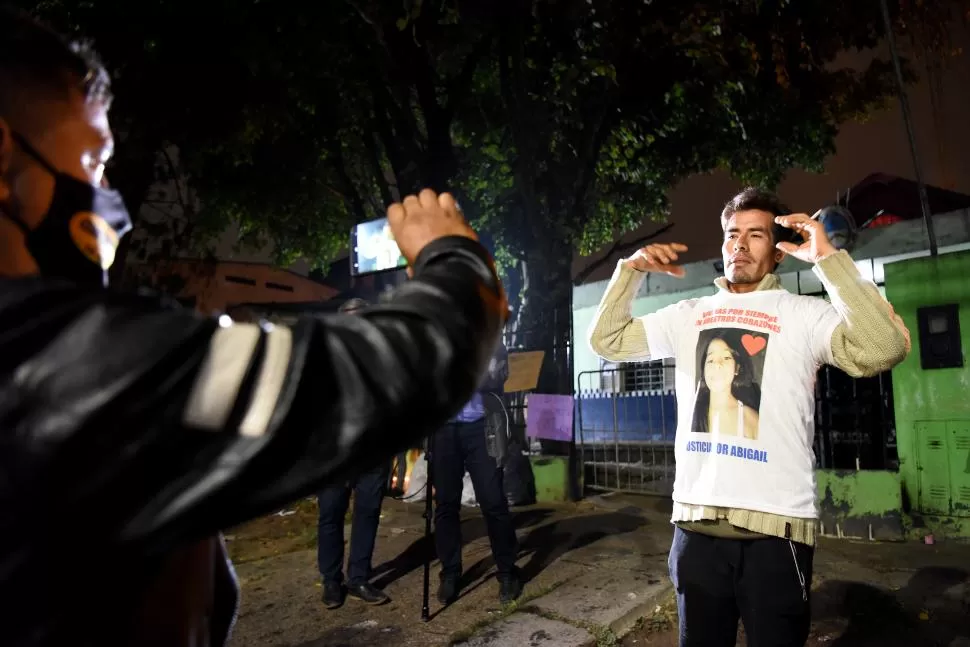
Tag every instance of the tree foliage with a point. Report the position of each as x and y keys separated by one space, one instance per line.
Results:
x=561 y=124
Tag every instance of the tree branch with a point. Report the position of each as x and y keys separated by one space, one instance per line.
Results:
x=382 y=127
x=374 y=160
x=619 y=247
x=522 y=140
x=350 y=193
x=378 y=31
x=461 y=84
x=592 y=155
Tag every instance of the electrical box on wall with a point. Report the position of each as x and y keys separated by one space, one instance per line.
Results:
x=940 y=345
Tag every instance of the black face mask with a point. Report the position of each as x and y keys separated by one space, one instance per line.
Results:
x=79 y=235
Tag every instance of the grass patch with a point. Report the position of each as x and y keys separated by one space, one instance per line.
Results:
x=663 y=618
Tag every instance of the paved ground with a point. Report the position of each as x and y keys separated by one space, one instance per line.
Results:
x=591 y=574
x=596 y=570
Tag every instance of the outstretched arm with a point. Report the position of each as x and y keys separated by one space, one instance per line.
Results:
x=152 y=426
x=615 y=334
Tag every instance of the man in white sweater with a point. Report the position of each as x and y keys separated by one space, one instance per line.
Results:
x=744 y=495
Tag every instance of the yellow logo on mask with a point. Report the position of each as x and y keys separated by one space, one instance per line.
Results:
x=95 y=238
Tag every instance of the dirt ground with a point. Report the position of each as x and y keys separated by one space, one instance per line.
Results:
x=868 y=595
x=275 y=560
x=863 y=593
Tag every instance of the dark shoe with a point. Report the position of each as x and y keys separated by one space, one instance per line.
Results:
x=368 y=593
x=333 y=594
x=448 y=589
x=509 y=587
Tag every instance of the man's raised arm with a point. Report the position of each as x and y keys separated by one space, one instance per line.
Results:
x=871 y=337
x=615 y=334
x=152 y=426
x=860 y=332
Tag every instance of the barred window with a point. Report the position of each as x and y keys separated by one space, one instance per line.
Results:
x=657 y=375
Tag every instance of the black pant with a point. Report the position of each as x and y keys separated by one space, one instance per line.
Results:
x=333 y=502
x=759 y=580
x=459 y=446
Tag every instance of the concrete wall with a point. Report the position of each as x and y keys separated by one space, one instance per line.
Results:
x=932 y=407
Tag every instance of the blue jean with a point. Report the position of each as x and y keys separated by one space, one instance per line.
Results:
x=333 y=502
x=459 y=446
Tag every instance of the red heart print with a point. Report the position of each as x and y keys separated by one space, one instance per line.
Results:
x=752 y=344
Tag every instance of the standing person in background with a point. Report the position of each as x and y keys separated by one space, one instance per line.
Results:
x=459 y=446
x=333 y=501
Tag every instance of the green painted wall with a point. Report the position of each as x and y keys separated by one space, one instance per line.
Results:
x=551 y=478
x=867 y=492
x=932 y=407
x=864 y=504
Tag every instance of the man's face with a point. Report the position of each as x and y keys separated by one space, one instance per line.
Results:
x=72 y=135
x=749 y=252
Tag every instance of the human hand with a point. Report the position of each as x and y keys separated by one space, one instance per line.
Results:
x=815 y=243
x=420 y=219
x=659 y=257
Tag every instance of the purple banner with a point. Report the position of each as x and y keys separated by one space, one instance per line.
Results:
x=550 y=417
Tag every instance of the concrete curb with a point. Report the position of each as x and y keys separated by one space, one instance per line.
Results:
x=539 y=619
x=627 y=623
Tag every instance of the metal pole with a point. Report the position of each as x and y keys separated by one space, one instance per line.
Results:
x=908 y=121
x=616 y=440
x=428 y=513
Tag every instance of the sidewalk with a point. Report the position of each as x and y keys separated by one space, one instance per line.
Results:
x=592 y=572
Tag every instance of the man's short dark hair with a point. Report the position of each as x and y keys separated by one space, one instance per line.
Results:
x=756 y=199
x=36 y=62
x=352 y=305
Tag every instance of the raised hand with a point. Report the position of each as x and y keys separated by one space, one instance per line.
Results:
x=420 y=219
x=815 y=243
x=659 y=257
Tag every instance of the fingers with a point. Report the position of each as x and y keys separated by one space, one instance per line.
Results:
x=427 y=199
x=788 y=248
x=659 y=257
x=797 y=221
x=664 y=253
x=447 y=202
x=395 y=214
x=411 y=204
x=423 y=218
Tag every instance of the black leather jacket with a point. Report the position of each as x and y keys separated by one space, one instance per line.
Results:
x=131 y=431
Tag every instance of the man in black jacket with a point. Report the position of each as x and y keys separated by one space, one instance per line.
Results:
x=458 y=446
x=132 y=431
x=332 y=501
